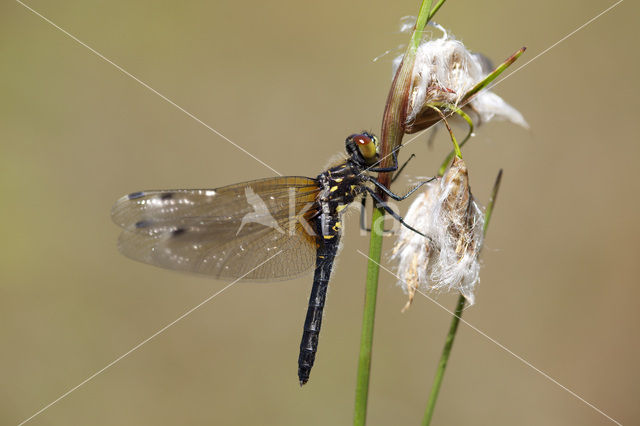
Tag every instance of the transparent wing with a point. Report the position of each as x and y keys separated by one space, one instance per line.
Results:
x=225 y=232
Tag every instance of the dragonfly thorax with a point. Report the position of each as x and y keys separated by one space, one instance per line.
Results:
x=340 y=185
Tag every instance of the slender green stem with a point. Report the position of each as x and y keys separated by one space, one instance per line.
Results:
x=456 y=147
x=366 y=337
x=442 y=365
x=492 y=202
x=421 y=22
x=392 y=133
x=436 y=8
x=469 y=121
x=453 y=328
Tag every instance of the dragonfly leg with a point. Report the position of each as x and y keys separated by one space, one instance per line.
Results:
x=394 y=156
x=394 y=167
x=389 y=210
x=393 y=195
x=363 y=206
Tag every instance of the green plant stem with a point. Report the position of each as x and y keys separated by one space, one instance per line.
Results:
x=492 y=202
x=424 y=15
x=453 y=328
x=444 y=358
x=469 y=121
x=366 y=337
x=456 y=147
x=393 y=126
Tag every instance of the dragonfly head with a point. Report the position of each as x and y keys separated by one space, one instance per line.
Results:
x=363 y=148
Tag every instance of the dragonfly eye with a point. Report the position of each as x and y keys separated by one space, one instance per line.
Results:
x=367 y=145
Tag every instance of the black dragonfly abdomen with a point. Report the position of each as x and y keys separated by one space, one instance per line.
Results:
x=313 y=320
x=339 y=187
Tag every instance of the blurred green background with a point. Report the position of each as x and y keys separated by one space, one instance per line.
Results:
x=288 y=81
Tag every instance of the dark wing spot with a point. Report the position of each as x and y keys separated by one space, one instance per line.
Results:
x=143 y=224
x=166 y=196
x=135 y=195
x=178 y=231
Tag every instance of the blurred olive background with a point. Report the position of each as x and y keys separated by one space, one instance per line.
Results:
x=287 y=81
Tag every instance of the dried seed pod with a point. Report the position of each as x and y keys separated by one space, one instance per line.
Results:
x=413 y=250
x=447 y=260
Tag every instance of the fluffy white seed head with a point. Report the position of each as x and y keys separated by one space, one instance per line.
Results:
x=444 y=72
x=447 y=259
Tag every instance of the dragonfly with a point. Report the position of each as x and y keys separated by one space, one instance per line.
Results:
x=262 y=230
